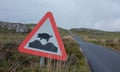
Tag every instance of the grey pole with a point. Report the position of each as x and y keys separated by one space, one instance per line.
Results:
x=42 y=61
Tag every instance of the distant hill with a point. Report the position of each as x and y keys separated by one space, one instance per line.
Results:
x=91 y=31
x=19 y=27
x=8 y=27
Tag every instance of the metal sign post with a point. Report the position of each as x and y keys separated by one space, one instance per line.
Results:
x=42 y=61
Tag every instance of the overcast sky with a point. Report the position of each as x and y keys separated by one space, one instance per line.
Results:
x=99 y=14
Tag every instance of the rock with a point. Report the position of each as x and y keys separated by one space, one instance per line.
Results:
x=17 y=27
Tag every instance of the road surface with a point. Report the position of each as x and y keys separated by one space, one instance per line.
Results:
x=100 y=59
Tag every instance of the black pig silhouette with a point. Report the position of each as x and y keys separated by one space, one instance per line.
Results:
x=45 y=36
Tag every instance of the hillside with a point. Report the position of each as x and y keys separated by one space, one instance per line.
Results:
x=99 y=37
x=6 y=27
x=92 y=31
x=13 y=61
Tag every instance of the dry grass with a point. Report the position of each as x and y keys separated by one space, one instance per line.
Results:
x=13 y=61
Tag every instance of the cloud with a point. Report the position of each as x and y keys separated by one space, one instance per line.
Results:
x=67 y=13
x=113 y=25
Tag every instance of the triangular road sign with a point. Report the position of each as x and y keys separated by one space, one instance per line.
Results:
x=44 y=40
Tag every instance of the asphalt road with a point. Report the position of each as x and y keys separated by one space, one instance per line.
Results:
x=100 y=59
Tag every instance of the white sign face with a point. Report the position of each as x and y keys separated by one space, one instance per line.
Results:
x=44 y=40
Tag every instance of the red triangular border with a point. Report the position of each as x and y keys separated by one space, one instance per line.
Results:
x=49 y=16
